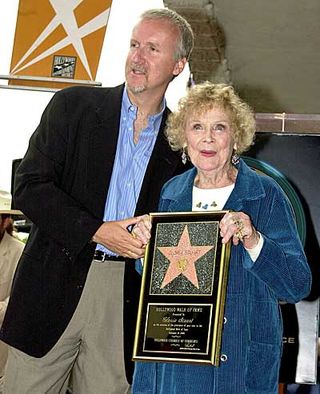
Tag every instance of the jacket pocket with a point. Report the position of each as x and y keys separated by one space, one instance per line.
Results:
x=262 y=373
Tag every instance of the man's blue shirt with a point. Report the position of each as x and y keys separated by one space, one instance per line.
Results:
x=130 y=163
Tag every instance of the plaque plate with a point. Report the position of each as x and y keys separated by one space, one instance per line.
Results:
x=182 y=298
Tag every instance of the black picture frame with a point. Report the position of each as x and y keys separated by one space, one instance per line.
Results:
x=182 y=299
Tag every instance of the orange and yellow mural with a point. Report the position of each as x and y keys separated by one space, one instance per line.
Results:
x=58 y=39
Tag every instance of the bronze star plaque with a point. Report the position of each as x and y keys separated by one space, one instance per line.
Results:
x=183 y=290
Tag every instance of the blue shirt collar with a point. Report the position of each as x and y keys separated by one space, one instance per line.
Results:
x=131 y=109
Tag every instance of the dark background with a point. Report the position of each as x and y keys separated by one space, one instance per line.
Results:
x=297 y=157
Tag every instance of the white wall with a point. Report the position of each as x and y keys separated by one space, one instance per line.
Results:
x=20 y=110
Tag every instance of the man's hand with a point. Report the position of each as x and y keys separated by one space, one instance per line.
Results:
x=116 y=237
x=142 y=229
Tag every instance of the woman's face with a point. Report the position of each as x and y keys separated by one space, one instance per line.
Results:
x=209 y=140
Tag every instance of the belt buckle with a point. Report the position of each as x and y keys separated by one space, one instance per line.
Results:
x=103 y=256
x=99 y=255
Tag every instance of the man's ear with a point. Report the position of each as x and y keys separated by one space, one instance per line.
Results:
x=179 y=66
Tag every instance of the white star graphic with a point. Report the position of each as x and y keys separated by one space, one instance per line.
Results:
x=65 y=16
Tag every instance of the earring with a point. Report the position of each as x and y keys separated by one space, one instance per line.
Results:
x=235 y=158
x=184 y=155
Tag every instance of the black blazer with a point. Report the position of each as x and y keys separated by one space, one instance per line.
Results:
x=61 y=185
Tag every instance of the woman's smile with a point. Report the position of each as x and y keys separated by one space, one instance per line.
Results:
x=207 y=153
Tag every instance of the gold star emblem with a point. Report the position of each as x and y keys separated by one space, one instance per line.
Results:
x=182 y=259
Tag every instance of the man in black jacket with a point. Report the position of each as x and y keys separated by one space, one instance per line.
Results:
x=98 y=158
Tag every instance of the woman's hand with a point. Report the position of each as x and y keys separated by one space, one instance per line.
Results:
x=142 y=229
x=238 y=226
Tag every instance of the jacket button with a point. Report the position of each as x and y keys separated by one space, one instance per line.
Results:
x=225 y=320
x=223 y=358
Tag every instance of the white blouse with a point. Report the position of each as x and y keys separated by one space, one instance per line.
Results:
x=214 y=200
x=210 y=199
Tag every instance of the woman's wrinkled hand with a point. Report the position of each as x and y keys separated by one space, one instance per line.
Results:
x=238 y=227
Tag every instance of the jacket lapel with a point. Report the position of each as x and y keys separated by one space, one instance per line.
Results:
x=180 y=193
x=162 y=166
x=244 y=189
x=103 y=145
x=181 y=196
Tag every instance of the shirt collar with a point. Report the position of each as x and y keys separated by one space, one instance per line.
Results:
x=132 y=109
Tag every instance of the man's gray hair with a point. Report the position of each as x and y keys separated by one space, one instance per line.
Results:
x=186 y=42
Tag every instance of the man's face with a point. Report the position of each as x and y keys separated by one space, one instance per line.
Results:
x=151 y=62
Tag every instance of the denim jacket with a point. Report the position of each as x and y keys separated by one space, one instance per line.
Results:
x=252 y=333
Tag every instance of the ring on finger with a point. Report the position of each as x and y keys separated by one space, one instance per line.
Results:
x=239 y=234
x=239 y=223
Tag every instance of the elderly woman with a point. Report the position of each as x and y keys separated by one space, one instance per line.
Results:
x=212 y=127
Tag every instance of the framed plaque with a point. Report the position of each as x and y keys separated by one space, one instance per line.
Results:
x=181 y=307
